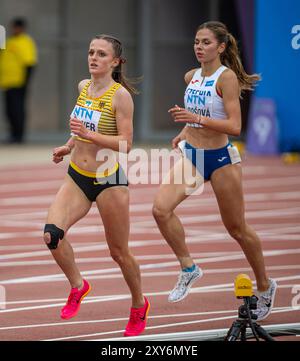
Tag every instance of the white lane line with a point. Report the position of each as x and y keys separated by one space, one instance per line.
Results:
x=286 y=237
x=271 y=205
x=280 y=213
x=158 y=274
x=23 y=214
x=103 y=246
x=278 y=196
x=98 y=247
x=87 y=322
x=66 y=323
x=18 y=201
x=41 y=246
x=155 y=327
x=138 y=207
x=260 y=183
x=154 y=274
x=287 y=229
x=22 y=224
x=84 y=230
x=22 y=247
x=19 y=174
x=270 y=182
x=56 y=175
x=260 y=227
x=28 y=222
x=110 y=260
x=149 y=222
x=196 y=237
x=208 y=237
x=201 y=335
x=135 y=207
x=227 y=287
x=100 y=260
x=250 y=166
x=59 y=276
x=30 y=186
x=204 y=234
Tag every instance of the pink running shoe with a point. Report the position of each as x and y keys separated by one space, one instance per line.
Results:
x=73 y=304
x=138 y=319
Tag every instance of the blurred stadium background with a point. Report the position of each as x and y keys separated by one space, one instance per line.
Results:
x=157 y=36
x=158 y=40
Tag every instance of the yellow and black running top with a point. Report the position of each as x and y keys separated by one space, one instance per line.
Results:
x=96 y=113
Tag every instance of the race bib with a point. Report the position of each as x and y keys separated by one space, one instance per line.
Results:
x=234 y=154
x=90 y=118
x=181 y=146
x=200 y=103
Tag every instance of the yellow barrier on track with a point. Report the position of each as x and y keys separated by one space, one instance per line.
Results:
x=240 y=146
x=290 y=158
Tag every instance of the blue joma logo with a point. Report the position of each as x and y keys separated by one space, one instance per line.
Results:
x=209 y=83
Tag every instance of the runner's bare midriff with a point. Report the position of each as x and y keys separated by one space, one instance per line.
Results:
x=205 y=138
x=84 y=156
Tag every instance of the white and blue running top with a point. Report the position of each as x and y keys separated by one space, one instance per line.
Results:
x=201 y=96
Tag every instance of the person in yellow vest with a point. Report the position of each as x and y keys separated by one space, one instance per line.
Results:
x=17 y=62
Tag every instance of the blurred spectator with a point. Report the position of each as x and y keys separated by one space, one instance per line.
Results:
x=17 y=62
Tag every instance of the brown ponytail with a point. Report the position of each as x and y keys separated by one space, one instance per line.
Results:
x=117 y=73
x=230 y=56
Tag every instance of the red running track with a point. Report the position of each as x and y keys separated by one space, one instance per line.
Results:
x=35 y=288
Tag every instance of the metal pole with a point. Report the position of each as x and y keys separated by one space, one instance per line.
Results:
x=214 y=9
x=65 y=64
x=144 y=54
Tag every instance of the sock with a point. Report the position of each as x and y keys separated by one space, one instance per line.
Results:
x=189 y=269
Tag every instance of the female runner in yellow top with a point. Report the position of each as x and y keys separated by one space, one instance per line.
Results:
x=101 y=118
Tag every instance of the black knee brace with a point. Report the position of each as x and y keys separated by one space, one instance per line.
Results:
x=55 y=233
